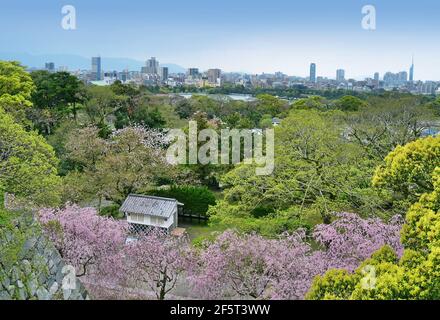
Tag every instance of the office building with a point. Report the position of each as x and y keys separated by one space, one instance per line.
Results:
x=193 y=72
x=151 y=66
x=96 y=69
x=163 y=73
x=403 y=77
x=428 y=88
x=214 y=76
x=340 y=75
x=50 y=66
x=376 y=77
x=312 y=76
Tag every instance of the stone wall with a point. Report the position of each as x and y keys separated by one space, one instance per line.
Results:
x=31 y=267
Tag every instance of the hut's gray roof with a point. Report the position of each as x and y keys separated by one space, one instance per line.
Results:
x=149 y=205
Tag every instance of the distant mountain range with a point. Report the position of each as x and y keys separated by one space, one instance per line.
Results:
x=75 y=62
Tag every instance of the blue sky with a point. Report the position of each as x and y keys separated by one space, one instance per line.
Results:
x=235 y=35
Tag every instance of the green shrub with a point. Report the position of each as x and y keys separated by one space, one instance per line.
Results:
x=111 y=211
x=196 y=200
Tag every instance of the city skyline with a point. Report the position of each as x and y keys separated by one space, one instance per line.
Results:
x=155 y=74
x=410 y=69
x=236 y=36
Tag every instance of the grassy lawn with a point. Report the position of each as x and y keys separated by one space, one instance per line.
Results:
x=198 y=231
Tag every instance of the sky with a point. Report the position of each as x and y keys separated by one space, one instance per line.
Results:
x=235 y=35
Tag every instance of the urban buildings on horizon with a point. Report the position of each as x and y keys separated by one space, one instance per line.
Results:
x=340 y=75
x=312 y=77
x=153 y=74
x=96 y=74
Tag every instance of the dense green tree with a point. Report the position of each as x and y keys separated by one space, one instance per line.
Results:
x=268 y=104
x=211 y=107
x=59 y=93
x=140 y=108
x=58 y=140
x=205 y=174
x=266 y=121
x=16 y=88
x=435 y=106
x=313 y=102
x=185 y=109
x=349 y=103
x=28 y=166
x=101 y=104
x=57 y=96
x=387 y=123
x=415 y=275
x=233 y=120
x=143 y=114
x=407 y=171
x=317 y=171
x=196 y=200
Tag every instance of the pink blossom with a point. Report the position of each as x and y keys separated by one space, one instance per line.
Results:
x=234 y=265
x=242 y=265
x=87 y=241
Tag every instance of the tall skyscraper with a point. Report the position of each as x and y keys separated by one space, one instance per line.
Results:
x=96 y=69
x=340 y=75
x=312 y=77
x=163 y=73
x=193 y=72
x=376 y=79
x=152 y=66
x=403 y=77
x=411 y=71
x=395 y=79
x=214 y=75
x=376 y=76
x=50 y=66
x=390 y=79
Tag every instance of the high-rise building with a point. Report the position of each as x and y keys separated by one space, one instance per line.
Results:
x=428 y=87
x=403 y=77
x=163 y=73
x=96 y=69
x=123 y=76
x=376 y=80
x=390 y=79
x=312 y=77
x=214 y=75
x=151 y=66
x=411 y=71
x=340 y=75
x=395 y=79
x=193 y=72
x=50 y=66
x=376 y=76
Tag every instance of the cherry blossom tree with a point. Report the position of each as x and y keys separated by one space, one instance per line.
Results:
x=234 y=265
x=296 y=264
x=129 y=138
x=96 y=246
x=349 y=240
x=256 y=267
x=89 y=242
x=159 y=261
x=253 y=266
